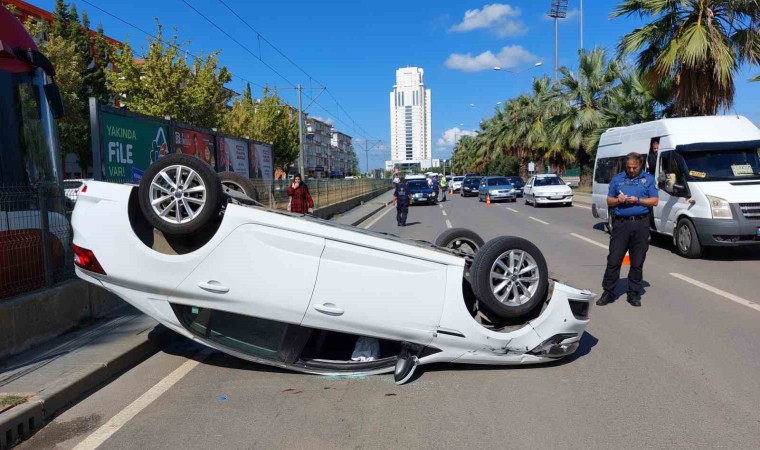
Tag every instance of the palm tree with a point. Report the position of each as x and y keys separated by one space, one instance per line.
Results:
x=581 y=100
x=699 y=43
x=632 y=101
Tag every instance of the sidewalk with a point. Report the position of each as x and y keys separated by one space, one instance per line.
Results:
x=55 y=375
x=582 y=197
x=363 y=212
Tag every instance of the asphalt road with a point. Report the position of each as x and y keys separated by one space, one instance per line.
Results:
x=682 y=371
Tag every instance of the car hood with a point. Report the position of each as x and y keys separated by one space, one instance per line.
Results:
x=420 y=190
x=731 y=191
x=499 y=188
x=559 y=188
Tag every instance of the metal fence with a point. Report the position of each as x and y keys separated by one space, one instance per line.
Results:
x=324 y=192
x=35 y=238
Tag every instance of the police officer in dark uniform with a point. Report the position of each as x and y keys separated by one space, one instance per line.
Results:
x=631 y=195
x=401 y=198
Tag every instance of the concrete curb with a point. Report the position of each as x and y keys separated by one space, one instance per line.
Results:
x=22 y=421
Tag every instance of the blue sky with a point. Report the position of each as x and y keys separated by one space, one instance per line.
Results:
x=355 y=47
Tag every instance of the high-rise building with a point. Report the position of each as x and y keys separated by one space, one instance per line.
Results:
x=411 y=137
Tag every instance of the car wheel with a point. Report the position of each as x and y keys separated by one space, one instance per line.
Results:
x=509 y=276
x=180 y=195
x=460 y=239
x=534 y=202
x=239 y=183
x=687 y=241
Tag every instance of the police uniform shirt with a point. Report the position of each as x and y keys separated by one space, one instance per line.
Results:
x=643 y=186
x=401 y=193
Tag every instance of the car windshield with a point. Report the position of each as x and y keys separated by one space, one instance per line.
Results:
x=457 y=179
x=549 y=181
x=516 y=181
x=498 y=182
x=417 y=184
x=722 y=165
x=472 y=181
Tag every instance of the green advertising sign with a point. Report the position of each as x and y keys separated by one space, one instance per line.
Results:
x=129 y=145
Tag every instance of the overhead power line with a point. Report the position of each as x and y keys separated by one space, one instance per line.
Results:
x=180 y=49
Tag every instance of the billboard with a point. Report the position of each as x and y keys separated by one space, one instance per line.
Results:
x=233 y=156
x=262 y=162
x=195 y=143
x=130 y=144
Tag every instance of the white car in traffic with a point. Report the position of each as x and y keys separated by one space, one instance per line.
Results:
x=547 y=189
x=299 y=292
x=456 y=184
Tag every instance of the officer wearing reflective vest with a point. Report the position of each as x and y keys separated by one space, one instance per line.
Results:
x=631 y=195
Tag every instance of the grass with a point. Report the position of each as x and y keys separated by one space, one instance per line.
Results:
x=9 y=401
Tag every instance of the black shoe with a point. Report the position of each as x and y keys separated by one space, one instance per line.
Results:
x=398 y=224
x=634 y=299
x=605 y=299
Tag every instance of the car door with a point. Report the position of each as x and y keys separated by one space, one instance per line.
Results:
x=386 y=294
x=483 y=188
x=528 y=190
x=258 y=271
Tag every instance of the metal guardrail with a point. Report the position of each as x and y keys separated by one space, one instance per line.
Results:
x=35 y=238
x=323 y=192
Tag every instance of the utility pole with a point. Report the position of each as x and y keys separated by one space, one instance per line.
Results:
x=300 y=135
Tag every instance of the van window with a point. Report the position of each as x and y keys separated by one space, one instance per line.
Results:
x=721 y=165
x=671 y=162
x=606 y=168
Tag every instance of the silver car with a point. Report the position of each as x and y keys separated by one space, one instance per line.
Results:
x=497 y=188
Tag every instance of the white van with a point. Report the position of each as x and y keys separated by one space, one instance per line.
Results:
x=708 y=173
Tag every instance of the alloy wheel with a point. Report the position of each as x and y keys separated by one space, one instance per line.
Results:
x=514 y=277
x=177 y=194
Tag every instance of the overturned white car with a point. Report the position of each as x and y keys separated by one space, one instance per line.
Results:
x=298 y=292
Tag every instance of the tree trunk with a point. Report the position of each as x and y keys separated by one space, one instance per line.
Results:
x=524 y=168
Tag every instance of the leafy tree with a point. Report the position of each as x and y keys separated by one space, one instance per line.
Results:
x=270 y=120
x=162 y=83
x=700 y=44
x=98 y=80
x=583 y=98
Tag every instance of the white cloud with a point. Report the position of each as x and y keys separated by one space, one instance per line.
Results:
x=327 y=120
x=508 y=57
x=498 y=17
x=450 y=137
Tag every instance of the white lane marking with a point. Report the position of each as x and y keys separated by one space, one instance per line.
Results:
x=444 y=212
x=714 y=290
x=513 y=210
x=374 y=221
x=448 y=224
x=440 y=205
x=100 y=435
x=539 y=220
x=575 y=205
x=590 y=241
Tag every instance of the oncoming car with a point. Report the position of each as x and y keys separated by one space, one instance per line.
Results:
x=299 y=292
x=547 y=189
x=496 y=188
x=420 y=192
x=456 y=184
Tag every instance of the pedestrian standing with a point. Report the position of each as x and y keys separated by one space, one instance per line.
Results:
x=631 y=195
x=435 y=186
x=443 y=188
x=301 y=201
x=401 y=198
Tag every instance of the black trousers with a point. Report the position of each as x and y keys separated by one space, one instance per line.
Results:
x=401 y=211
x=630 y=236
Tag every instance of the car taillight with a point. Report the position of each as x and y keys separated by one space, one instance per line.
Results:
x=86 y=260
x=84 y=188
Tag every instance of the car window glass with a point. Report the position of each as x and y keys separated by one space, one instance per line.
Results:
x=246 y=334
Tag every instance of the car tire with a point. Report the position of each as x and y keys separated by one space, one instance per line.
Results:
x=686 y=240
x=160 y=182
x=455 y=238
x=240 y=184
x=502 y=296
x=534 y=202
